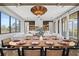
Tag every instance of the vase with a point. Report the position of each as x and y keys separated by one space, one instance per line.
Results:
x=41 y=38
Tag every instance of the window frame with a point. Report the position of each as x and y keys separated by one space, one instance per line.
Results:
x=10 y=24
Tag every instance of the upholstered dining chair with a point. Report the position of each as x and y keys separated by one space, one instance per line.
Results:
x=32 y=51
x=5 y=42
x=10 y=52
x=54 y=51
x=74 y=51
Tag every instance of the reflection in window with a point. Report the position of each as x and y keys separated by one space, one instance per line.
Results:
x=4 y=23
x=13 y=24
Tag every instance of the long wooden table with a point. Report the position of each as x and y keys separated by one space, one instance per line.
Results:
x=41 y=43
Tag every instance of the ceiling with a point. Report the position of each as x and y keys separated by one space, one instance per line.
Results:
x=53 y=11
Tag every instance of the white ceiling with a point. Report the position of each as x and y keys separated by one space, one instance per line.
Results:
x=53 y=11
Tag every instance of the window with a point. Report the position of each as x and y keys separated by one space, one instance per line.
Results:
x=13 y=28
x=45 y=25
x=4 y=23
x=73 y=25
x=31 y=25
x=8 y=24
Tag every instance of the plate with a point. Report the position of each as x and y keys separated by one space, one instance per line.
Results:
x=35 y=43
x=49 y=43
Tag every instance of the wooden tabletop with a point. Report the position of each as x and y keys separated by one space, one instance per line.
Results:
x=41 y=43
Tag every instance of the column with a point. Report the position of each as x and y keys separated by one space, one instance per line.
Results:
x=67 y=36
x=60 y=27
x=56 y=26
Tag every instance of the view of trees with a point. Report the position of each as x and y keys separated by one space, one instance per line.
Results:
x=9 y=24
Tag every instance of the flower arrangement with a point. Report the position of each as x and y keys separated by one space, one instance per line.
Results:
x=40 y=31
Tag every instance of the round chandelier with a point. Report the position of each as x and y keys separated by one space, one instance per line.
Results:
x=38 y=10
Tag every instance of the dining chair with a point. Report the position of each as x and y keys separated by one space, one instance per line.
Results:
x=73 y=51
x=0 y=52
x=5 y=42
x=10 y=51
x=32 y=51
x=54 y=51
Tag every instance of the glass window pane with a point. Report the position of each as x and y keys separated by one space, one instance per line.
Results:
x=4 y=23
x=75 y=28
x=13 y=24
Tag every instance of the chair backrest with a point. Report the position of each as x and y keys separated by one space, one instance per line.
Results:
x=10 y=52
x=32 y=51
x=5 y=42
x=54 y=51
x=72 y=51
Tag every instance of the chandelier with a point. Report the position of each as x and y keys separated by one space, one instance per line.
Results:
x=38 y=10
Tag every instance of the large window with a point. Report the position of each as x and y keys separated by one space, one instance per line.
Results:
x=8 y=24
x=73 y=25
x=4 y=23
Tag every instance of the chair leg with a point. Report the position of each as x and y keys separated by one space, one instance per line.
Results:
x=45 y=52
x=63 y=53
x=22 y=52
x=19 y=52
x=67 y=52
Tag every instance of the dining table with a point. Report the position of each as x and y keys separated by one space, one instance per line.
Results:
x=45 y=42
